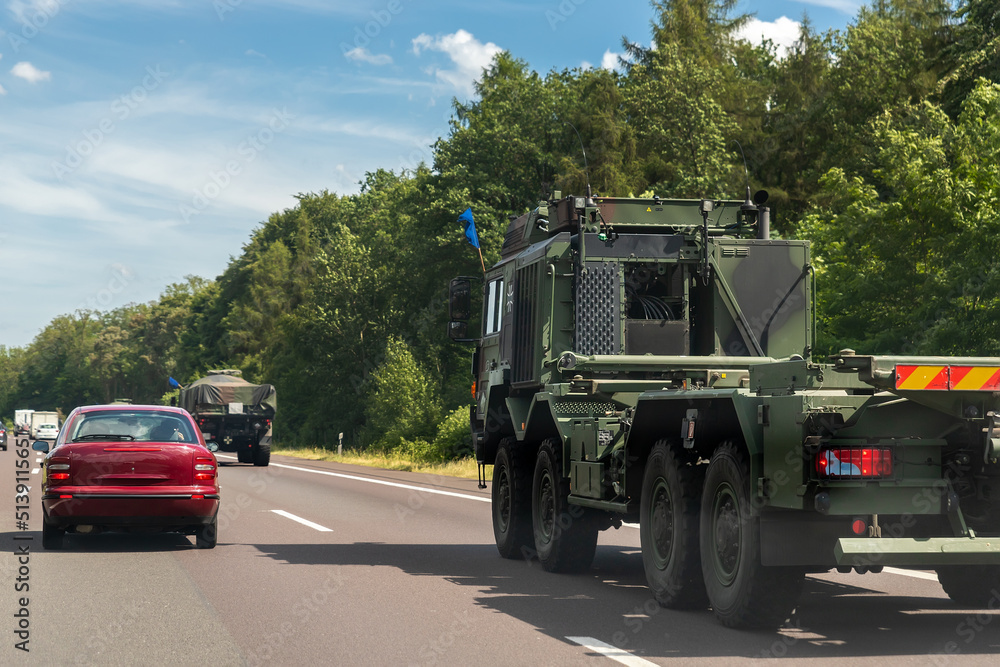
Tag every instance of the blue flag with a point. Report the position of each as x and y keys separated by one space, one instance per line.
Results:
x=470 y=227
x=175 y=384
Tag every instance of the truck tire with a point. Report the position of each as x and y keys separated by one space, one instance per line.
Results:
x=669 y=523
x=565 y=535
x=52 y=537
x=262 y=454
x=511 y=501
x=973 y=586
x=743 y=593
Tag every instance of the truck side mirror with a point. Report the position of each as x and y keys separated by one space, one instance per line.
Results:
x=458 y=331
x=460 y=309
x=460 y=299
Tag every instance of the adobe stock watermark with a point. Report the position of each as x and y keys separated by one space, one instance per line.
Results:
x=121 y=108
x=121 y=277
x=248 y=150
x=223 y=7
x=363 y=35
x=33 y=21
x=562 y=12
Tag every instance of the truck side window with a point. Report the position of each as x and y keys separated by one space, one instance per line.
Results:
x=494 y=306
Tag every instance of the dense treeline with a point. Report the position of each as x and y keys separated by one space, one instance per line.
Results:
x=881 y=143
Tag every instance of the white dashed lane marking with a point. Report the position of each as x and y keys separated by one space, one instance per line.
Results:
x=304 y=522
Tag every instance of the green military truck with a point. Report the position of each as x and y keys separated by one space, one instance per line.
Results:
x=234 y=413
x=649 y=361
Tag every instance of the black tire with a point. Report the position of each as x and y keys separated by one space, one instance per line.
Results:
x=743 y=593
x=565 y=535
x=972 y=586
x=262 y=454
x=244 y=454
x=669 y=525
x=207 y=536
x=511 y=501
x=52 y=537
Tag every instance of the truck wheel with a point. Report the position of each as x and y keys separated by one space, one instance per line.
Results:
x=565 y=535
x=743 y=593
x=244 y=454
x=207 y=536
x=668 y=528
x=262 y=454
x=52 y=537
x=511 y=496
x=973 y=586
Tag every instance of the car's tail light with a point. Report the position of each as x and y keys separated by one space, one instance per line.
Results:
x=204 y=469
x=58 y=469
x=854 y=463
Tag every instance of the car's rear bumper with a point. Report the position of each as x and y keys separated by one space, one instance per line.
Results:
x=140 y=507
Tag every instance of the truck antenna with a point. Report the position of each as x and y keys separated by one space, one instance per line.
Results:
x=747 y=207
x=586 y=168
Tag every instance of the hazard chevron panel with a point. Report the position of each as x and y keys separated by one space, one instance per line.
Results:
x=944 y=378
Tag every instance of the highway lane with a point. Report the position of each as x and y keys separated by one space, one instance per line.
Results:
x=411 y=576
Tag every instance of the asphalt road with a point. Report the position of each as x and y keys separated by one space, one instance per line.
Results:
x=400 y=569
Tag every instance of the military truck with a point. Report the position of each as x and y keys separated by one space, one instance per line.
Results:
x=234 y=413
x=650 y=361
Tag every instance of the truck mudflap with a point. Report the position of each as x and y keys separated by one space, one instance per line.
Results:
x=932 y=551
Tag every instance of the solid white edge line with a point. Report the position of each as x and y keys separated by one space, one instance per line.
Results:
x=422 y=489
x=304 y=522
x=911 y=573
x=609 y=651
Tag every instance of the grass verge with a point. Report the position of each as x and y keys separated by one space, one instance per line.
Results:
x=464 y=468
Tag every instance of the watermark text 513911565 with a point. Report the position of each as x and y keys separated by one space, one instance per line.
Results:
x=22 y=546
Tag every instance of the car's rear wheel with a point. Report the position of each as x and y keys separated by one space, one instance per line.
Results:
x=207 y=536
x=52 y=537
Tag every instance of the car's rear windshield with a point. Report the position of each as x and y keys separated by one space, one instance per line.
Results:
x=131 y=425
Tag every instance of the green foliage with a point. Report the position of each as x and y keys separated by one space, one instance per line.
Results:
x=402 y=404
x=908 y=255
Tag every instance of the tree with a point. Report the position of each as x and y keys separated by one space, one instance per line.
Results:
x=907 y=256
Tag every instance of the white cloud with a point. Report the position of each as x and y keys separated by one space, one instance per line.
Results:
x=3 y=91
x=29 y=72
x=469 y=54
x=361 y=54
x=782 y=32
x=610 y=60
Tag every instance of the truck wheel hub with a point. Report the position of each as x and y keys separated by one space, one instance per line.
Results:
x=727 y=533
x=661 y=515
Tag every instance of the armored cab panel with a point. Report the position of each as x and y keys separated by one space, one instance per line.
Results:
x=763 y=297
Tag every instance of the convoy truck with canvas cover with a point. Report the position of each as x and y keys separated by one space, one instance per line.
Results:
x=649 y=361
x=234 y=413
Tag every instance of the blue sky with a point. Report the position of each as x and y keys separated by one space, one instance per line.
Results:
x=144 y=140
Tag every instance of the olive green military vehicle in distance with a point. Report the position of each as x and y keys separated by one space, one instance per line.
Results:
x=649 y=360
x=234 y=413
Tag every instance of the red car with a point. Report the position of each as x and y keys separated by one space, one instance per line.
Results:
x=129 y=468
